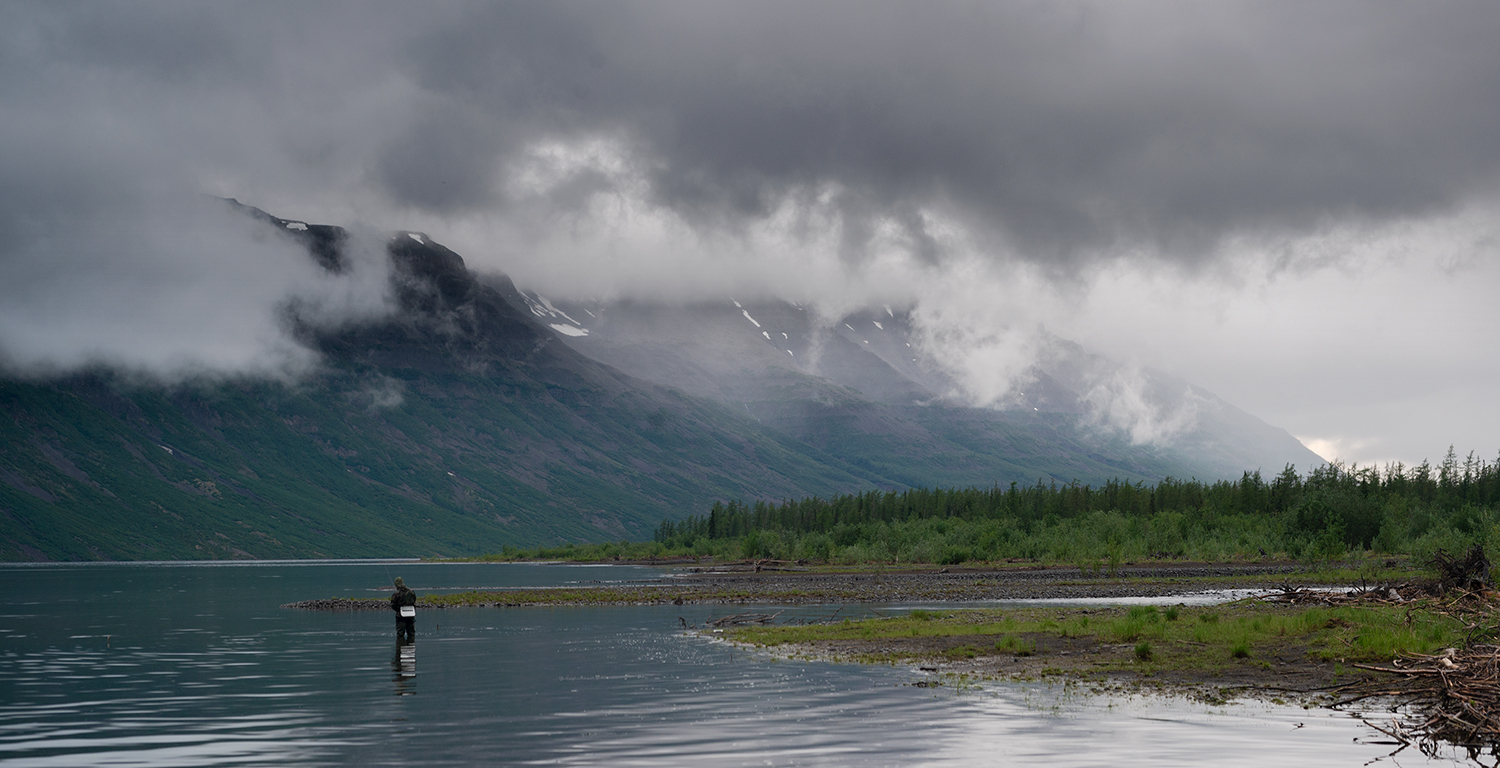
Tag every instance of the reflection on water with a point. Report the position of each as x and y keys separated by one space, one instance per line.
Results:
x=404 y=665
x=179 y=665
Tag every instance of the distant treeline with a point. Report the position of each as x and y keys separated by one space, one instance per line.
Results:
x=1332 y=510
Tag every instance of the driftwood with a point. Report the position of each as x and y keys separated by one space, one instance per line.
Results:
x=755 y=566
x=740 y=619
x=1454 y=698
x=1459 y=579
x=1363 y=594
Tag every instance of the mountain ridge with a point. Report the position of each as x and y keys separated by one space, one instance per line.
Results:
x=1195 y=433
x=462 y=422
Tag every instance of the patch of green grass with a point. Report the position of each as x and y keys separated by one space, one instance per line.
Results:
x=963 y=652
x=1018 y=646
x=1139 y=621
x=1078 y=627
x=1143 y=651
x=1207 y=639
x=1368 y=573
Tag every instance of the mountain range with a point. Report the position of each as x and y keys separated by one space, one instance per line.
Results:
x=476 y=414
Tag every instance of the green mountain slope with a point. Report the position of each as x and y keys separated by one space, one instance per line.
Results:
x=94 y=468
x=460 y=424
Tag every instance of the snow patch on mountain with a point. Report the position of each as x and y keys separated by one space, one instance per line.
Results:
x=555 y=311
x=542 y=307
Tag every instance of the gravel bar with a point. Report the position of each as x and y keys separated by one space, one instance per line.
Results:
x=744 y=584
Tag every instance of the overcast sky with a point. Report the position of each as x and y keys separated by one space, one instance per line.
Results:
x=1291 y=204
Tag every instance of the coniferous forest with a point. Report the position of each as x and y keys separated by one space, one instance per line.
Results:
x=1330 y=512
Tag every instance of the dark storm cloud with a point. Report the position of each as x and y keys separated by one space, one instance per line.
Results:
x=1058 y=132
x=1059 y=126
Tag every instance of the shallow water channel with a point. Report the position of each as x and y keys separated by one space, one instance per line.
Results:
x=196 y=664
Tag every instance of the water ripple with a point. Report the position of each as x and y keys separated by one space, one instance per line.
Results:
x=177 y=666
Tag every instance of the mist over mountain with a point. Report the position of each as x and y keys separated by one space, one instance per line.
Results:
x=452 y=414
x=875 y=372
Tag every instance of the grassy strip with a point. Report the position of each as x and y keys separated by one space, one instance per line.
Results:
x=1205 y=639
x=600 y=596
x=1357 y=566
x=1370 y=573
x=1391 y=570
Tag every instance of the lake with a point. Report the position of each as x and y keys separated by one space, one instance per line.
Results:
x=195 y=664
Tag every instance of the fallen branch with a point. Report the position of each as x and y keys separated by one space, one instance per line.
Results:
x=1455 y=695
x=740 y=619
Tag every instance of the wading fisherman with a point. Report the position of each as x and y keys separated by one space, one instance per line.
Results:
x=404 y=603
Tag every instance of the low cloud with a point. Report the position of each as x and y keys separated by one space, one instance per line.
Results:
x=182 y=287
x=379 y=392
x=1124 y=400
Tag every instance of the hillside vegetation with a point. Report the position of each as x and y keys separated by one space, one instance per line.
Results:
x=1328 y=513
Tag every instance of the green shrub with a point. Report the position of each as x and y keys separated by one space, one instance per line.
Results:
x=1015 y=645
x=1143 y=651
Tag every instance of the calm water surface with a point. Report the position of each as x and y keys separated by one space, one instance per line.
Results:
x=196 y=664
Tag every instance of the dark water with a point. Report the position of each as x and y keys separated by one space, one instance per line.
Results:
x=195 y=664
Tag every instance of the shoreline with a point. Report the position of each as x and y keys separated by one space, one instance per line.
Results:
x=1296 y=668
x=741 y=584
x=1328 y=646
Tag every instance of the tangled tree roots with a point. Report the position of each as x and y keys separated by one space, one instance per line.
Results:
x=1470 y=573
